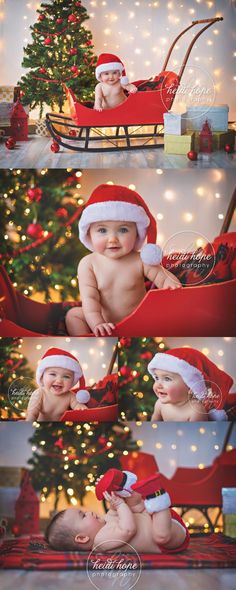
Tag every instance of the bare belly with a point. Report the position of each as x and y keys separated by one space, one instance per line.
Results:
x=116 y=307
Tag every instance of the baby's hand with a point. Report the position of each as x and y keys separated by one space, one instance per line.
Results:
x=81 y=407
x=171 y=283
x=99 y=109
x=132 y=89
x=115 y=501
x=103 y=329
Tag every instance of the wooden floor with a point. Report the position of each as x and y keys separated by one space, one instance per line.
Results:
x=36 y=153
x=213 y=579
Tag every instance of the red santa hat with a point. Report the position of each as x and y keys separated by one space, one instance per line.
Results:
x=200 y=374
x=108 y=61
x=119 y=203
x=56 y=357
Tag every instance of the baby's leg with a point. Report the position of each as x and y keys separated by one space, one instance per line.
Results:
x=166 y=531
x=75 y=322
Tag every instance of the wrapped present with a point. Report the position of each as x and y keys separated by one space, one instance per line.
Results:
x=220 y=139
x=6 y=93
x=217 y=117
x=178 y=144
x=229 y=511
x=5 y=113
x=174 y=123
x=41 y=128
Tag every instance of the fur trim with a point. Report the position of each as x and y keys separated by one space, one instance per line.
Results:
x=158 y=503
x=107 y=67
x=191 y=376
x=217 y=415
x=83 y=396
x=131 y=479
x=59 y=361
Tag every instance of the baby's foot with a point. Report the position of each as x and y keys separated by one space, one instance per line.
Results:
x=117 y=481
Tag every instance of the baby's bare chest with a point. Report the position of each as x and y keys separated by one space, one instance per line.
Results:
x=111 y=91
x=112 y=276
x=174 y=413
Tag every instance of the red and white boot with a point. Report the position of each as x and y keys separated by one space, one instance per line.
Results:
x=117 y=481
x=155 y=497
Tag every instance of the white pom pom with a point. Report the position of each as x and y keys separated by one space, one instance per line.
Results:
x=124 y=80
x=151 y=254
x=217 y=415
x=83 y=396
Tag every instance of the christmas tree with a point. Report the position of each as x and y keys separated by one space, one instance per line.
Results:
x=68 y=458
x=41 y=249
x=61 y=52
x=136 y=397
x=12 y=363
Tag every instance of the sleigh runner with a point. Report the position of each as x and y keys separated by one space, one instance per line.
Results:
x=137 y=123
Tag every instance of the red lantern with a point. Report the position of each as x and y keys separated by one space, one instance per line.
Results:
x=19 y=122
x=27 y=509
x=205 y=138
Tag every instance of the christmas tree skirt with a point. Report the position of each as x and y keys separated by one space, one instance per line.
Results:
x=205 y=551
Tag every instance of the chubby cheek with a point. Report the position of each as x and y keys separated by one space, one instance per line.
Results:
x=98 y=243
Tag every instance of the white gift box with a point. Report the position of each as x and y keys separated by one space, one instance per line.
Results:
x=174 y=123
x=217 y=117
x=8 y=497
x=229 y=500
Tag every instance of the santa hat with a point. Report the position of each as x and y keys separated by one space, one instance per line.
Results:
x=111 y=202
x=108 y=61
x=56 y=357
x=198 y=373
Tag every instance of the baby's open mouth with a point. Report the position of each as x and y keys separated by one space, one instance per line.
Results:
x=57 y=387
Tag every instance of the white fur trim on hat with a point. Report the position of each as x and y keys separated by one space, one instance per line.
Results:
x=127 y=491
x=158 y=503
x=113 y=65
x=191 y=376
x=113 y=211
x=65 y=362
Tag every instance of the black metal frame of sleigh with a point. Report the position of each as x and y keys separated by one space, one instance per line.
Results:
x=140 y=116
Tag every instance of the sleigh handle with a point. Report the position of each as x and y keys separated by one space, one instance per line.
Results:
x=229 y=214
x=209 y=21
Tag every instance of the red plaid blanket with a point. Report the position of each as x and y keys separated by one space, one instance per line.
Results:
x=204 y=551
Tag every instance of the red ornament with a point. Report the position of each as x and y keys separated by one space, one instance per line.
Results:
x=62 y=212
x=146 y=355
x=78 y=3
x=59 y=21
x=19 y=122
x=192 y=155
x=72 y=133
x=88 y=43
x=205 y=139
x=59 y=443
x=124 y=371
x=35 y=194
x=55 y=147
x=228 y=148
x=73 y=51
x=74 y=69
x=47 y=41
x=102 y=440
x=9 y=362
x=125 y=341
x=10 y=143
x=41 y=17
x=34 y=230
x=42 y=70
x=16 y=530
x=72 y=18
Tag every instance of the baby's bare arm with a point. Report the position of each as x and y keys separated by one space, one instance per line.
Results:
x=90 y=298
x=157 y=412
x=198 y=412
x=130 y=88
x=113 y=533
x=162 y=278
x=34 y=405
x=98 y=97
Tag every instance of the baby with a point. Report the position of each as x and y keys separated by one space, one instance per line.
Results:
x=57 y=372
x=114 y=225
x=148 y=525
x=110 y=73
x=189 y=386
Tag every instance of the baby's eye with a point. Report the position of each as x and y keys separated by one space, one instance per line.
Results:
x=156 y=378
x=168 y=379
x=102 y=230
x=124 y=230
x=66 y=376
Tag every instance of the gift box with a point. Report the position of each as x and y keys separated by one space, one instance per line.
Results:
x=41 y=128
x=5 y=113
x=229 y=511
x=219 y=139
x=178 y=144
x=9 y=93
x=174 y=123
x=217 y=117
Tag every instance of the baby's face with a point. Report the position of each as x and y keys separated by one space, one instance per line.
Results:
x=113 y=239
x=57 y=381
x=86 y=524
x=170 y=387
x=110 y=77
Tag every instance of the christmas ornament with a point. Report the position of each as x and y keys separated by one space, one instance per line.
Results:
x=10 y=143
x=228 y=148
x=72 y=18
x=59 y=21
x=88 y=43
x=125 y=341
x=41 y=17
x=47 y=41
x=146 y=355
x=78 y=3
x=34 y=230
x=192 y=155
x=9 y=362
x=59 y=443
x=73 y=51
x=72 y=133
x=62 y=212
x=55 y=147
x=16 y=530
x=34 y=194
x=123 y=371
x=42 y=70
x=102 y=440
x=74 y=69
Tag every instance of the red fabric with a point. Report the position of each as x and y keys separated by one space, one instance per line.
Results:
x=185 y=544
x=102 y=406
x=204 y=551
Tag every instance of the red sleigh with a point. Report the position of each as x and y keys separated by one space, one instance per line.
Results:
x=161 y=311
x=102 y=406
x=89 y=130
